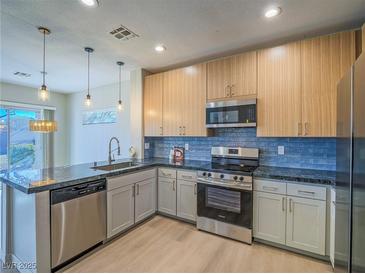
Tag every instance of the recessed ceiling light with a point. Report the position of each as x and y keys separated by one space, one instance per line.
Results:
x=272 y=12
x=90 y=3
x=160 y=48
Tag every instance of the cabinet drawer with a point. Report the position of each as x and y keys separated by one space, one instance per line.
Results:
x=269 y=186
x=128 y=179
x=186 y=175
x=167 y=173
x=306 y=191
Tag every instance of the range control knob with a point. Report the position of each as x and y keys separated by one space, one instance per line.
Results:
x=235 y=178
x=222 y=176
x=209 y=174
x=241 y=178
x=204 y=174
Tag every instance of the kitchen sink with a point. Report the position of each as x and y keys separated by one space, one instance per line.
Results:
x=116 y=166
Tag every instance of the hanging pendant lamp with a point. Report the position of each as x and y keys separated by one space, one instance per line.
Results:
x=120 y=103
x=43 y=92
x=43 y=126
x=88 y=97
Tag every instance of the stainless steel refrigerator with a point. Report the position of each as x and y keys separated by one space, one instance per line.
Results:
x=350 y=171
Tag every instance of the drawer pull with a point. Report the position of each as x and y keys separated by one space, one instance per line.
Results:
x=187 y=177
x=306 y=192
x=195 y=189
x=290 y=206
x=270 y=188
x=173 y=185
x=283 y=204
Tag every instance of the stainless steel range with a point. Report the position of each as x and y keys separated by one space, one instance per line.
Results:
x=225 y=193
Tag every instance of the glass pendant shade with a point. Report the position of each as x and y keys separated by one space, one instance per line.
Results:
x=88 y=100
x=43 y=126
x=120 y=105
x=43 y=93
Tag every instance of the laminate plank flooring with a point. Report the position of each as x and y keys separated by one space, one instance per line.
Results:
x=165 y=245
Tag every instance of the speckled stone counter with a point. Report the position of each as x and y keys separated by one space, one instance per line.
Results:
x=37 y=180
x=296 y=174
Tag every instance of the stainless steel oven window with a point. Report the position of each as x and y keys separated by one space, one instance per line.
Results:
x=231 y=116
x=224 y=199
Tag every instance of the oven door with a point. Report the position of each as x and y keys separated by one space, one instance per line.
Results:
x=231 y=114
x=229 y=205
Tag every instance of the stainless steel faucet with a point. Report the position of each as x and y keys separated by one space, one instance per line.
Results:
x=110 y=158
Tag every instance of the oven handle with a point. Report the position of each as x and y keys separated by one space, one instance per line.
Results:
x=216 y=183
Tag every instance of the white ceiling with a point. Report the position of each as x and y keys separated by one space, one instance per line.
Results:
x=192 y=30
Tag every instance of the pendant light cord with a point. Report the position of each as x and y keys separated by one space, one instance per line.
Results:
x=44 y=57
x=88 y=73
x=120 y=82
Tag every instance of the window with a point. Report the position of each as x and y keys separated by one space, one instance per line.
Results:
x=20 y=148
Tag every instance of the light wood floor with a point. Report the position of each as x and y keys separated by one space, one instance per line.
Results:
x=166 y=245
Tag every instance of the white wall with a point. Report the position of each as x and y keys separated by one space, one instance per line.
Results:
x=89 y=143
x=28 y=95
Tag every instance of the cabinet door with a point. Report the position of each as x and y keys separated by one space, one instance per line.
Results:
x=325 y=59
x=219 y=79
x=152 y=108
x=173 y=89
x=279 y=91
x=332 y=227
x=120 y=209
x=244 y=74
x=186 y=199
x=363 y=38
x=145 y=199
x=167 y=196
x=306 y=224
x=193 y=100
x=269 y=216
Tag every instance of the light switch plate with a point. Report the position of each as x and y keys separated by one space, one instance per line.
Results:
x=146 y=145
x=281 y=150
x=186 y=147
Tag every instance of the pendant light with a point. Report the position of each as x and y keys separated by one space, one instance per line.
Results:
x=43 y=126
x=43 y=92
x=120 y=103
x=88 y=97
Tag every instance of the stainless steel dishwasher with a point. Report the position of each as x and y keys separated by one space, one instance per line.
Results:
x=78 y=220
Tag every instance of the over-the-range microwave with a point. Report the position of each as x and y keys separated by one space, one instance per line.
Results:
x=235 y=113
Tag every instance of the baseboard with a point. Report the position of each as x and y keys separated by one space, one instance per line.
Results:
x=175 y=217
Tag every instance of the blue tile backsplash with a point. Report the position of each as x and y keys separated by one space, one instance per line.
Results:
x=312 y=153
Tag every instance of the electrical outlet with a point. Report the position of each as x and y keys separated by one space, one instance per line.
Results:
x=281 y=150
x=146 y=145
x=186 y=147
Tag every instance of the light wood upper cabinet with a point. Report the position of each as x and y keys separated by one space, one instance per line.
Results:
x=184 y=101
x=152 y=100
x=234 y=76
x=363 y=38
x=324 y=61
x=279 y=91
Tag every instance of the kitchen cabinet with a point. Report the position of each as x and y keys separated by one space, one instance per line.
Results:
x=167 y=196
x=232 y=77
x=306 y=224
x=363 y=38
x=186 y=199
x=184 y=97
x=120 y=209
x=269 y=216
x=145 y=199
x=324 y=61
x=284 y=214
x=332 y=227
x=279 y=91
x=152 y=105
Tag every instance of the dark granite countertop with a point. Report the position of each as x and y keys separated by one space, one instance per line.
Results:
x=37 y=180
x=312 y=176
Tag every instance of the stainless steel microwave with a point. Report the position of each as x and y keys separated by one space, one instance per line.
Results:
x=237 y=113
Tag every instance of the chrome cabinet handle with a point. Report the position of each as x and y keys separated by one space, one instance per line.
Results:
x=184 y=130
x=290 y=205
x=306 y=192
x=306 y=128
x=133 y=191
x=231 y=90
x=180 y=128
x=300 y=132
x=270 y=188
x=137 y=189
x=283 y=203
x=161 y=130
x=228 y=92
x=195 y=188
x=173 y=185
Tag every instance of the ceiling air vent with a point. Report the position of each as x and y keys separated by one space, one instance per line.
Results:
x=123 y=33
x=22 y=74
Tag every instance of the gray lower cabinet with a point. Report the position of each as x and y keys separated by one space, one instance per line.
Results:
x=167 y=195
x=120 y=209
x=269 y=215
x=186 y=199
x=145 y=199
